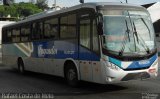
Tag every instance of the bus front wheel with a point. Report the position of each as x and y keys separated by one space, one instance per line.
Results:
x=21 y=66
x=71 y=75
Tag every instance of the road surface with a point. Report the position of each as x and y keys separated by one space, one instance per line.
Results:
x=34 y=85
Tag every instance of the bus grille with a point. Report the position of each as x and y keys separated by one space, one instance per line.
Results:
x=135 y=76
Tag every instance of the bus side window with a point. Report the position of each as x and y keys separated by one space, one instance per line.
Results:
x=51 y=28
x=16 y=35
x=37 y=30
x=68 y=26
x=95 y=38
x=85 y=33
x=72 y=25
x=9 y=36
x=25 y=33
x=63 y=27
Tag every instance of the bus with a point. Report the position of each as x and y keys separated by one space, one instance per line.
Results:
x=96 y=42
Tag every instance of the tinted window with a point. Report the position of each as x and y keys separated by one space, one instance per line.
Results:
x=25 y=33
x=85 y=33
x=37 y=30
x=15 y=35
x=51 y=28
x=95 y=38
x=68 y=26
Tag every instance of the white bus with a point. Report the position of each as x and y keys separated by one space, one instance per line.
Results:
x=96 y=42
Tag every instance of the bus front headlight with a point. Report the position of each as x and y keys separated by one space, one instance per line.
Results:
x=155 y=63
x=112 y=66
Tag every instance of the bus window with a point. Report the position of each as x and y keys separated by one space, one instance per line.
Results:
x=63 y=27
x=9 y=36
x=25 y=33
x=51 y=28
x=95 y=38
x=16 y=35
x=72 y=25
x=85 y=33
x=68 y=26
x=37 y=30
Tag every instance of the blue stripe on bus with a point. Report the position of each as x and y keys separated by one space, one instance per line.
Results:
x=115 y=61
x=134 y=64
x=143 y=63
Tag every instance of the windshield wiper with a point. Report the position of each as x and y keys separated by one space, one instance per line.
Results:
x=139 y=40
x=124 y=42
x=127 y=31
x=135 y=32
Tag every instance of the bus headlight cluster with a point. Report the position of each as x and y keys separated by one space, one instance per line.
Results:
x=155 y=63
x=112 y=66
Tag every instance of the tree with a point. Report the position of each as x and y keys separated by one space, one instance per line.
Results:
x=10 y=10
x=19 y=10
x=26 y=9
x=42 y=4
x=2 y=10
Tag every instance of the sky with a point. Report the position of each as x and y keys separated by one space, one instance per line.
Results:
x=67 y=3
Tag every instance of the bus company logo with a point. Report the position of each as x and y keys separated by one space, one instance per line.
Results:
x=42 y=51
x=144 y=62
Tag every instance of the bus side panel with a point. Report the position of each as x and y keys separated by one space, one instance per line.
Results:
x=41 y=58
x=99 y=72
x=44 y=57
x=66 y=49
x=90 y=66
x=49 y=57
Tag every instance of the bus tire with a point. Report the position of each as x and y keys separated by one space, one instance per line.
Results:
x=21 y=66
x=71 y=75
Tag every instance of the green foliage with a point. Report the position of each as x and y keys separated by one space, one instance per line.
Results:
x=19 y=10
x=2 y=10
x=26 y=9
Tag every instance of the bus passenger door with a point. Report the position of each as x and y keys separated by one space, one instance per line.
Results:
x=85 y=59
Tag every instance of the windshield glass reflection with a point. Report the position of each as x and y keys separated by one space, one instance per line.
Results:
x=128 y=32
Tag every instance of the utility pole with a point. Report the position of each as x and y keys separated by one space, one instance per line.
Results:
x=126 y=1
x=55 y=3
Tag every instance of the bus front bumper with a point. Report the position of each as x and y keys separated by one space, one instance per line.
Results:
x=116 y=76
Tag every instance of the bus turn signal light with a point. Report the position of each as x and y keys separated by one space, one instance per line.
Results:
x=153 y=70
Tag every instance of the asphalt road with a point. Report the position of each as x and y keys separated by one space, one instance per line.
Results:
x=35 y=85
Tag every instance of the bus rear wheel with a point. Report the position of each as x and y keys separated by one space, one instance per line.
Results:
x=21 y=66
x=71 y=75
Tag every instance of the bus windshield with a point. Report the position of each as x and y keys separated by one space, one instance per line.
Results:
x=128 y=32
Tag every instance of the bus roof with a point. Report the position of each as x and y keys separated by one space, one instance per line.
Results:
x=84 y=5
